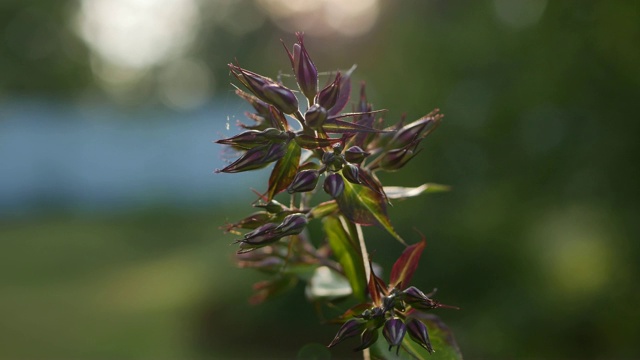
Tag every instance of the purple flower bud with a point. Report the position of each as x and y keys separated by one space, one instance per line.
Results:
x=256 y=158
x=418 y=333
x=266 y=89
x=305 y=180
x=368 y=338
x=252 y=81
x=252 y=138
x=303 y=68
x=262 y=236
x=292 y=224
x=334 y=185
x=418 y=300
x=355 y=155
x=281 y=97
x=260 y=106
x=328 y=96
x=395 y=159
x=394 y=331
x=351 y=173
x=315 y=116
x=413 y=131
x=349 y=329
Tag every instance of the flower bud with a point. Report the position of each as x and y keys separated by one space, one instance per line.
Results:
x=413 y=131
x=292 y=224
x=355 y=155
x=252 y=81
x=350 y=328
x=304 y=69
x=394 y=331
x=334 y=185
x=368 y=338
x=315 y=116
x=252 y=138
x=281 y=97
x=351 y=173
x=305 y=180
x=395 y=159
x=262 y=236
x=418 y=333
x=417 y=299
x=328 y=96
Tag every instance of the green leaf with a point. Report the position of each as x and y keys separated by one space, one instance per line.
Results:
x=364 y=206
x=345 y=246
x=441 y=337
x=400 y=192
x=285 y=170
x=327 y=284
x=406 y=265
x=323 y=209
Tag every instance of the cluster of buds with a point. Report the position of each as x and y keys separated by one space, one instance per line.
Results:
x=312 y=142
x=394 y=308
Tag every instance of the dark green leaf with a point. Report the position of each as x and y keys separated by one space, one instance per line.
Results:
x=399 y=192
x=346 y=248
x=406 y=265
x=284 y=170
x=364 y=206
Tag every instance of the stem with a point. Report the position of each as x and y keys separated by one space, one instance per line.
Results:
x=365 y=254
x=366 y=354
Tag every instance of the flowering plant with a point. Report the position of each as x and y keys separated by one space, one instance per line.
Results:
x=343 y=150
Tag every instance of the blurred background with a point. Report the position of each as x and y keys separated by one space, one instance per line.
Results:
x=110 y=244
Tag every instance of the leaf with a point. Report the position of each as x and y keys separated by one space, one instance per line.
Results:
x=364 y=206
x=400 y=192
x=406 y=265
x=340 y=127
x=310 y=142
x=285 y=170
x=323 y=209
x=345 y=246
x=441 y=338
x=327 y=284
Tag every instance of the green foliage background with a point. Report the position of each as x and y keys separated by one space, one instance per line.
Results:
x=537 y=242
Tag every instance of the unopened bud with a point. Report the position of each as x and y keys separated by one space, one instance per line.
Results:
x=418 y=333
x=396 y=159
x=394 y=331
x=355 y=155
x=328 y=96
x=351 y=173
x=350 y=328
x=334 y=185
x=412 y=131
x=304 y=69
x=281 y=97
x=315 y=116
x=305 y=180
x=368 y=338
x=292 y=224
